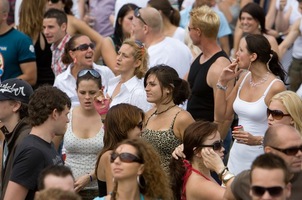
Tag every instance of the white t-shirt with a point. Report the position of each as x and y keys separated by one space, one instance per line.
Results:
x=173 y=53
x=179 y=34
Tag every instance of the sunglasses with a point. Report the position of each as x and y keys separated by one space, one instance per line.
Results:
x=84 y=47
x=276 y=114
x=125 y=157
x=138 y=15
x=140 y=125
x=259 y=191
x=54 y=1
x=291 y=151
x=93 y=72
x=139 y=44
x=190 y=28
x=216 y=145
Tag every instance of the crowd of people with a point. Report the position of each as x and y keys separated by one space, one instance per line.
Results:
x=150 y=99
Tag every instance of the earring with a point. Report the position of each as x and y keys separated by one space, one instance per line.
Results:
x=75 y=61
x=141 y=181
x=267 y=64
x=259 y=27
x=249 y=66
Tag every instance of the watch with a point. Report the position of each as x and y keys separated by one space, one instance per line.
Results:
x=227 y=176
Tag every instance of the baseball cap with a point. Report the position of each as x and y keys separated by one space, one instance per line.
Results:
x=15 y=89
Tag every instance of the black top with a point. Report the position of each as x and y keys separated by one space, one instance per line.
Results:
x=45 y=74
x=102 y=188
x=201 y=101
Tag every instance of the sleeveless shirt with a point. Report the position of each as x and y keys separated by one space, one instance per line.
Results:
x=201 y=102
x=163 y=141
x=81 y=154
x=252 y=116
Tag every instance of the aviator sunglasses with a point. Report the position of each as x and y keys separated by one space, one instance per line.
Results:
x=84 y=47
x=291 y=151
x=93 y=72
x=259 y=191
x=276 y=114
x=125 y=157
x=216 y=145
x=138 y=15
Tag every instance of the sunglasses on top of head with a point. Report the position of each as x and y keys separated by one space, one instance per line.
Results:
x=93 y=72
x=84 y=47
x=291 y=151
x=276 y=114
x=217 y=145
x=125 y=157
x=138 y=15
x=275 y=191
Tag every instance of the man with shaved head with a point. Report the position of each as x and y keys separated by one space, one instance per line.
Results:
x=147 y=27
x=285 y=142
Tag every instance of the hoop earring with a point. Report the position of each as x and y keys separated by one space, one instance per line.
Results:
x=141 y=181
x=267 y=64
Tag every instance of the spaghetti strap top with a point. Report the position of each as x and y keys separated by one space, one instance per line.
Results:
x=189 y=170
x=164 y=141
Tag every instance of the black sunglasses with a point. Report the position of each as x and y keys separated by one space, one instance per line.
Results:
x=276 y=114
x=291 y=151
x=216 y=145
x=84 y=47
x=93 y=72
x=259 y=191
x=54 y=1
x=140 y=125
x=125 y=157
x=138 y=15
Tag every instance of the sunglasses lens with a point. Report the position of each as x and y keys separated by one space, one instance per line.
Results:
x=273 y=191
x=54 y=1
x=276 y=114
x=113 y=157
x=94 y=73
x=127 y=157
x=291 y=152
x=217 y=146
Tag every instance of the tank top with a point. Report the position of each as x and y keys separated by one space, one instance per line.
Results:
x=252 y=116
x=81 y=154
x=201 y=102
x=163 y=141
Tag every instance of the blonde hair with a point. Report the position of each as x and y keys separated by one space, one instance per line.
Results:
x=31 y=17
x=293 y=104
x=206 y=20
x=139 y=53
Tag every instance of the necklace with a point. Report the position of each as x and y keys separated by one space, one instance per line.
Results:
x=158 y=113
x=259 y=82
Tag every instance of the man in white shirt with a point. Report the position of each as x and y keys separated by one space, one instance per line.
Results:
x=147 y=27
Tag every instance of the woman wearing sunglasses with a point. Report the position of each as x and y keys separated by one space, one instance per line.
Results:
x=261 y=76
x=128 y=87
x=203 y=149
x=77 y=26
x=83 y=141
x=78 y=55
x=137 y=173
x=123 y=121
x=285 y=108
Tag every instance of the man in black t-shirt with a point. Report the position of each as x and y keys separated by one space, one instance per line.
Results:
x=48 y=109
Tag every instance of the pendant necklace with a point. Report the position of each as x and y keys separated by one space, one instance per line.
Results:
x=259 y=82
x=158 y=113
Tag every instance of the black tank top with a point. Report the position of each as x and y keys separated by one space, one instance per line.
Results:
x=201 y=101
x=45 y=74
x=102 y=188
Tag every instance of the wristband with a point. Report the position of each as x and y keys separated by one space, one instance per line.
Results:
x=90 y=178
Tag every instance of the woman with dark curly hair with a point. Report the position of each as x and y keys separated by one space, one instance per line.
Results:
x=123 y=121
x=137 y=173
x=166 y=122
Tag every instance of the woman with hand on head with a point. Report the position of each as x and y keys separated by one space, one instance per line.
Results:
x=83 y=141
x=203 y=149
x=285 y=108
x=122 y=30
x=123 y=121
x=166 y=122
x=137 y=173
x=131 y=65
x=262 y=77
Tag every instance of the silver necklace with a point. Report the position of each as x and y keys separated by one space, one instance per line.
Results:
x=259 y=82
